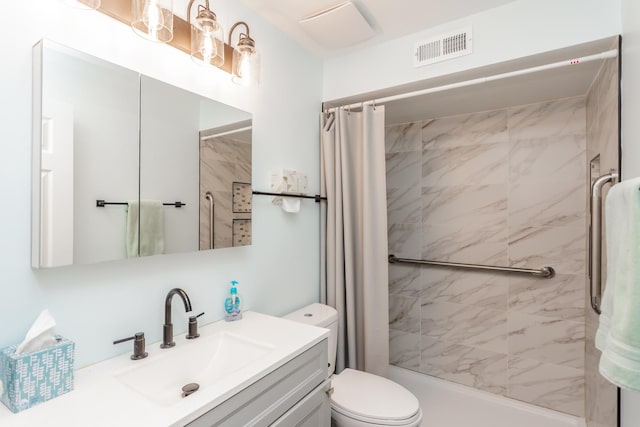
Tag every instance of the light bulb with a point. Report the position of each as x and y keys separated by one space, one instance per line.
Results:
x=244 y=68
x=152 y=18
x=208 y=48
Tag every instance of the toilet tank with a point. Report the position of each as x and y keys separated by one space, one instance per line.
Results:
x=322 y=316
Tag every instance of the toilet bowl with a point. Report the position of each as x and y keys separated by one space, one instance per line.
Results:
x=360 y=399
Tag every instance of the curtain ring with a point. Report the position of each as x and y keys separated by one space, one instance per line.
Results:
x=374 y=105
x=348 y=110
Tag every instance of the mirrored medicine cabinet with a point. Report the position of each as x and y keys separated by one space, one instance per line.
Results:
x=105 y=137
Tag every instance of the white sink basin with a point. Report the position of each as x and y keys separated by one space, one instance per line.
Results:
x=202 y=361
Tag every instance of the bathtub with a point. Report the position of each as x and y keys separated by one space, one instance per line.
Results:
x=447 y=404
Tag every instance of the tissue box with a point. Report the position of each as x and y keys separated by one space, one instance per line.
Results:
x=31 y=378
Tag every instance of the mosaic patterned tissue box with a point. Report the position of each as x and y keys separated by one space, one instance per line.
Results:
x=28 y=379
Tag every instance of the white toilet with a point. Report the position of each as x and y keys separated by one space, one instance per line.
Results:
x=360 y=399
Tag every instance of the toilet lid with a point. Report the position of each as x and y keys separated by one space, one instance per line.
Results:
x=369 y=396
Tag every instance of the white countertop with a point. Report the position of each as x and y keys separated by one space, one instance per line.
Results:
x=100 y=400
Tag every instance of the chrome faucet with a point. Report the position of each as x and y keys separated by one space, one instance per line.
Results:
x=167 y=331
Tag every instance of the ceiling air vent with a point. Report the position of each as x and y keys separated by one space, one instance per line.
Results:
x=446 y=46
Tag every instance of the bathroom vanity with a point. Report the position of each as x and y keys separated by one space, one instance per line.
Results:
x=261 y=370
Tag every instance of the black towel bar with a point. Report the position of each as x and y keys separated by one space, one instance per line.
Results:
x=102 y=204
x=317 y=197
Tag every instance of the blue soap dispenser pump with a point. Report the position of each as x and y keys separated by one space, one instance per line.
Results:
x=232 y=304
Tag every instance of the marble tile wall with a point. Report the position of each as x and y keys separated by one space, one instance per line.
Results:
x=504 y=187
x=223 y=162
x=602 y=139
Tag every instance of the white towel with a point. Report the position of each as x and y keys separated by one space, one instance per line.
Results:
x=150 y=233
x=618 y=335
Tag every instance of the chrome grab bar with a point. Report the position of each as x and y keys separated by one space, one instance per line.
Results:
x=209 y=197
x=544 y=272
x=595 y=239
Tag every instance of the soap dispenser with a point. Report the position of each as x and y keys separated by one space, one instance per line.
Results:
x=232 y=304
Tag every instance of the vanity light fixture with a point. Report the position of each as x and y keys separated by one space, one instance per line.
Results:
x=203 y=38
x=207 y=38
x=245 y=68
x=153 y=19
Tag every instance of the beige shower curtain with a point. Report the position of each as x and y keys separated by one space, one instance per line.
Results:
x=355 y=273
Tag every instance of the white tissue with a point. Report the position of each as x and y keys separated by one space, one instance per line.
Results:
x=40 y=335
x=287 y=204
x=290 y=205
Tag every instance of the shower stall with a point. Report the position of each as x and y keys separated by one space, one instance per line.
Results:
x=500 y=174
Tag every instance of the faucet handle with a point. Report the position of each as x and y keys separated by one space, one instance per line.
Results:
x=138 y=345
x=193 y=327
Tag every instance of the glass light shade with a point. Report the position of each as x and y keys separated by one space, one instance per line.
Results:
x=83 y=4
x=207 y=40
x=153 y=19
x=245 y=68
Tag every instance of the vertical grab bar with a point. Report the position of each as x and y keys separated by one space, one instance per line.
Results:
x=209 y=197
x=595 y=239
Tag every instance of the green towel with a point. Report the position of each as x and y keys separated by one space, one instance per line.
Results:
x=618 y=334
x=147 y=230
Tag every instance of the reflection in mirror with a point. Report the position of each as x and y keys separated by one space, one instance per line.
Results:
x=85 y=148
x=182 y=159
x=225 y=185
x=105 y=133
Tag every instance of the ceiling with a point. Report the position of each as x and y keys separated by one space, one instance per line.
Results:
x=391 y=19
x=388 y=18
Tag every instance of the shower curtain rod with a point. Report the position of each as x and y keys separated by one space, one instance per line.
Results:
x=603 y=55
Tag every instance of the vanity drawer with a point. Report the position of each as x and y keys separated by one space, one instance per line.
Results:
x=266 y=400
x=312 y=411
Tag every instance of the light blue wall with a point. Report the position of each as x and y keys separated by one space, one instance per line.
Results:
x=515 y=30
x=96 y=304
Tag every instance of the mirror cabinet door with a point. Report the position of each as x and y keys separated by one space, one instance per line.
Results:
x=169 y=165
x=193 y=150
x=85 y=149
